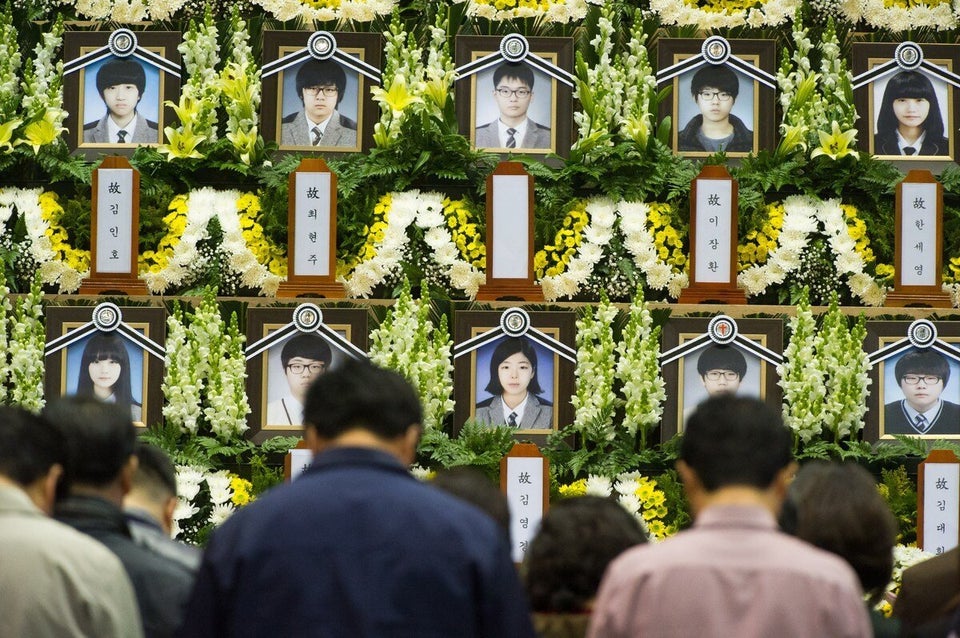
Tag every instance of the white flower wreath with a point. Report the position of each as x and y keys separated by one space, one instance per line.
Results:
x=683 y=13
x=426 y=211
x=327 y=10
x=802 y=217
x=899 y=16
x=203 y=205
x=128 y=10
x=638 y=241
x=556 y=11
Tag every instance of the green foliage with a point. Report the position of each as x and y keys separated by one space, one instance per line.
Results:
x=900 y=493
x=478 y=445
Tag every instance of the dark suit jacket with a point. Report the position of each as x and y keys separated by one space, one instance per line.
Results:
x=146 y=132
x=886 y=144
x=356 y=547
x=929 y=595
x=537 y=136
x=895 y=420
x=340 y=131
x=538 y=415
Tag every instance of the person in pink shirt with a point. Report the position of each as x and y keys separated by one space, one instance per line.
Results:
x=734 y=573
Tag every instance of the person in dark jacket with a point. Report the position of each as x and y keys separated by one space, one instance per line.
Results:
x=101 y=461
x=715 y=88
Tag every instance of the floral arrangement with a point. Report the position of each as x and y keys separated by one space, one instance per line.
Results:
x=836 y=101
x=639 y=373
x=900 y=16
x=248 y=253
x=42 y=86
x=904 y=556
x=551 y=11
x=594 y=398
x=717 y=14
x=21 y=360
x=804 y=218
x=205 y=499
x=388 y=239
x=5 y=371
x=839 y=352
x=801 y=378
x=398 y=92
x=10 y=60
x=240 y=91
x=128 y=10
x=438 y=74
x=408 y=342
x=637 y=494
x=205 y=372
x=648 y=235
x=327 y=10
x=200 y=95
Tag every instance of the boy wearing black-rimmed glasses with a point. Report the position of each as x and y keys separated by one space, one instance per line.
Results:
x=513 y=93
x=715 y=88
x=304 y=358
x=922 y=376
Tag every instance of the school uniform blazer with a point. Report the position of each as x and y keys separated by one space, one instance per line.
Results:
x=538 y=415
x=895 y=419
x=886 y=144
x=146 y=132
x=340 y=131
x=537 y=136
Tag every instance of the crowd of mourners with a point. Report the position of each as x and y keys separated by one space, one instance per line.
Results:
x=356 y=547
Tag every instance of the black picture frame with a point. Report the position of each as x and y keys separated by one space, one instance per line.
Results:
x=264 y=371
x=62 y=368
x=685 y=388
x=869 y=100
x=754 y=99
x=475 y=110
x=279 y=89
x=84 y=108
x=885 y=389
x=470 y=379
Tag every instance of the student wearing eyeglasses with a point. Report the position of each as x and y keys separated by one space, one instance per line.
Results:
x=721 y=369
x=304 y=358
x=320 y=87
x=715 y=89
x=513 y=93
x=922 y=375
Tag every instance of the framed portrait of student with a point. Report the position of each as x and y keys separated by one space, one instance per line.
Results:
x=322 y=105
x=515 y=106
x=106 y=364
x=908 y=113
x=710 y=368
x=116 y=103
x=719 y=107
x=518 y=381
x=915 y=390
x=278 y=378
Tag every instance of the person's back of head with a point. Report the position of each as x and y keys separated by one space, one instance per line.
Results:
x=100 y=438
x=473 y=486
x=836 y=506
x=32 y=454
x=154 y=485
x=577 y=539
x=731 y=440
x=360 y=395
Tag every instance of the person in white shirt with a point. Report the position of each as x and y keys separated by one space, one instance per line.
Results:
x=304 y=358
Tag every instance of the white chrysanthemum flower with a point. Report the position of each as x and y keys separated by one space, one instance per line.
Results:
x=220 y=513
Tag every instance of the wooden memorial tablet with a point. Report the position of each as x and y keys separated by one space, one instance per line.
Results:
x=115 y=230
x=938 y=502
x=525 y=479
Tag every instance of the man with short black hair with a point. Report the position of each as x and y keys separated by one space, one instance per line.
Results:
x=101 y=462
x=922 y=376
x=54 y=581
x=356 y=546
x=321 y=85
x=734 y=573
x=513 y=94
x=150 y=504
x=121 y=83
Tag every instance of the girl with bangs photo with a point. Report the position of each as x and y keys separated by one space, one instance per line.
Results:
x=910 y=122
x=105 y=373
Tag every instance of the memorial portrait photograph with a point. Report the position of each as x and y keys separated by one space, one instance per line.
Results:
x=319 y=105
x=515 y=384
x=292 y=365
x=514 y=108
x=921 y=394
x=716 y=111
x=910 y=115
x=109 y=367
x=719 y=369
x=121 y=102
